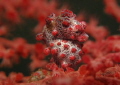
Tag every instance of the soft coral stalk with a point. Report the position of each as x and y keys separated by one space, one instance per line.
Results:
x=112 y=8
x=19 y=48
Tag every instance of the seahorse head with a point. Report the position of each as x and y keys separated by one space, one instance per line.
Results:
x=65 y=26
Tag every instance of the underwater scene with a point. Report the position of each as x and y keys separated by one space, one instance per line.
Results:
x=59 y=42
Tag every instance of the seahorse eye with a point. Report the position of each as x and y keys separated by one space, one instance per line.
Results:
x=77 y=32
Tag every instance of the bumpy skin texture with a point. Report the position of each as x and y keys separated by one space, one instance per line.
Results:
x=39 y=75
x=64 y=37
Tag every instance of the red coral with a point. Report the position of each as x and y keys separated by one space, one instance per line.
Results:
x=112 y=8
x=64 y=36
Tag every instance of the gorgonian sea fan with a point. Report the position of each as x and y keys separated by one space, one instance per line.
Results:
x=64 y=37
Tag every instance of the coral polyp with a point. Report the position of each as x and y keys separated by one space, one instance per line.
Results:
x=64 y=36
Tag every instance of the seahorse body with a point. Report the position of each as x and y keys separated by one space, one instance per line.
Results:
x=64 y=36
